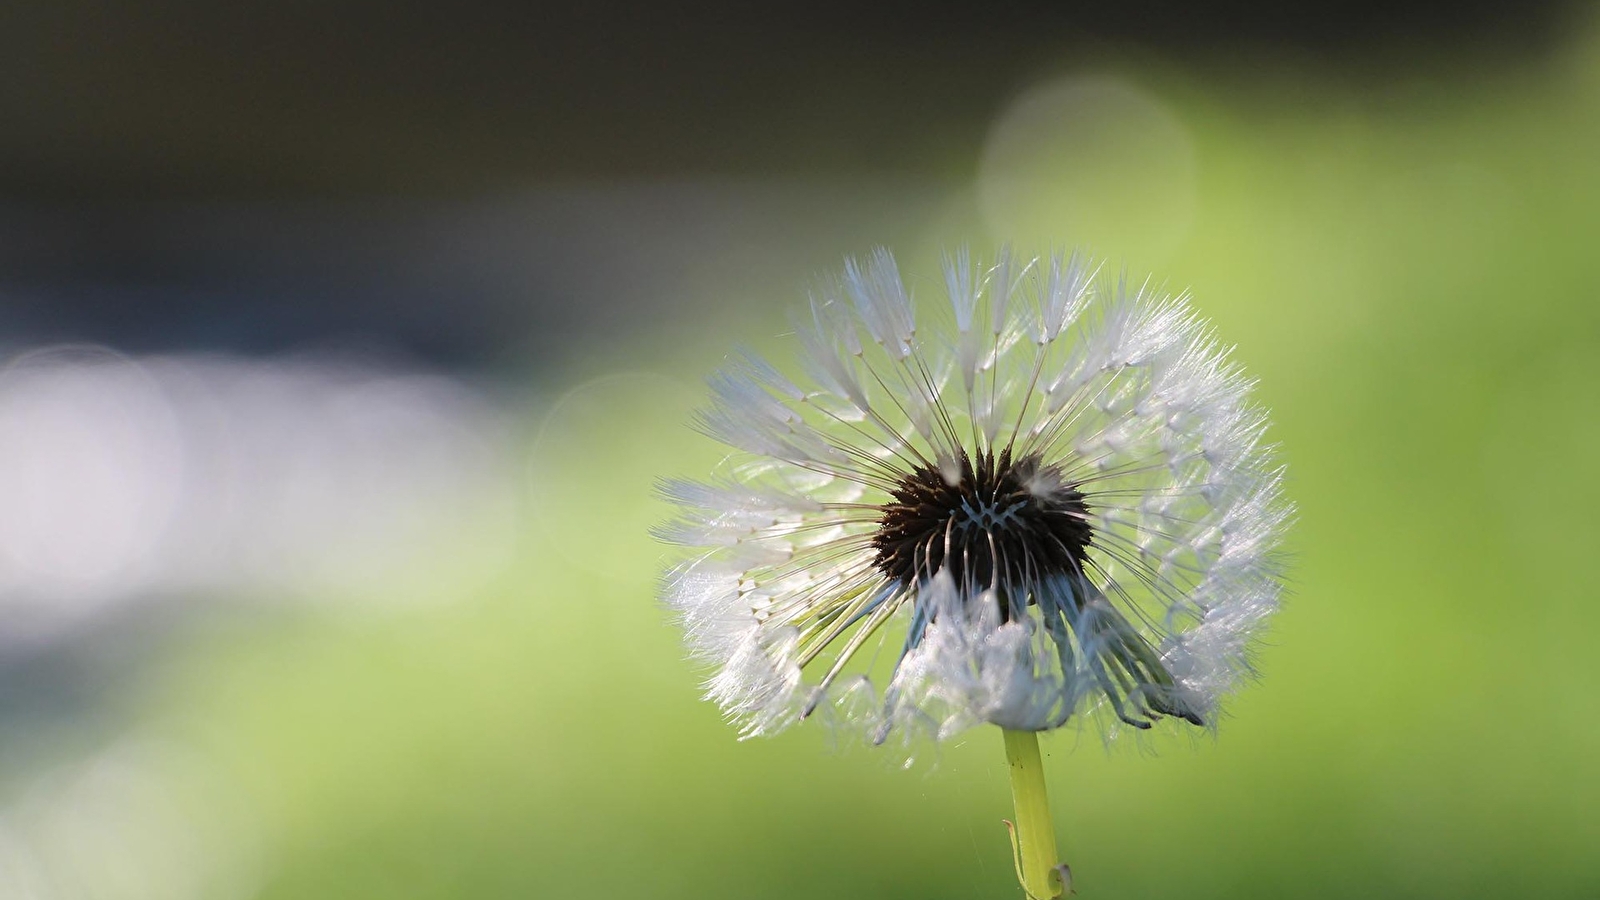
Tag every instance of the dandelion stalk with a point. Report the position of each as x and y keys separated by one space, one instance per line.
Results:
x=1033 y=837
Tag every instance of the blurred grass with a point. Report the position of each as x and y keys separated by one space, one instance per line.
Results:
x=1412 y=280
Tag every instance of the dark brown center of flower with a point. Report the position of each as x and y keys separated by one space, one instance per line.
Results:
x=1000 y=522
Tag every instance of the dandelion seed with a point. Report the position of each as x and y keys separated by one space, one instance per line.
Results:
x=1052 y=488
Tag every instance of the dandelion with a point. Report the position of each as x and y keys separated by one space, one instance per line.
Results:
x=1048 y=495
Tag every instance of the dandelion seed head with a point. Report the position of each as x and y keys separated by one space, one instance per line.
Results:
x=1047 y=497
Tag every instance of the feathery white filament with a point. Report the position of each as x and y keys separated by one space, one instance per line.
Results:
x=1127 y=567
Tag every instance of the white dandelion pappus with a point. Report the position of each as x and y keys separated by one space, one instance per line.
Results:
x=1054 y=483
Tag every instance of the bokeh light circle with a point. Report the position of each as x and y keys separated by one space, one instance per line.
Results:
x=1089 y=161
x=594 y=466
x=92 y=468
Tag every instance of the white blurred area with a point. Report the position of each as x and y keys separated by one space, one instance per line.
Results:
x=144 y=820
x=297 y=479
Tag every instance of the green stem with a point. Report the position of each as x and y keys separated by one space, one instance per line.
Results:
x=1035 y=834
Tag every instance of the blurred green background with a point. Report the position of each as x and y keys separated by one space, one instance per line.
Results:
x=1404 y=252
